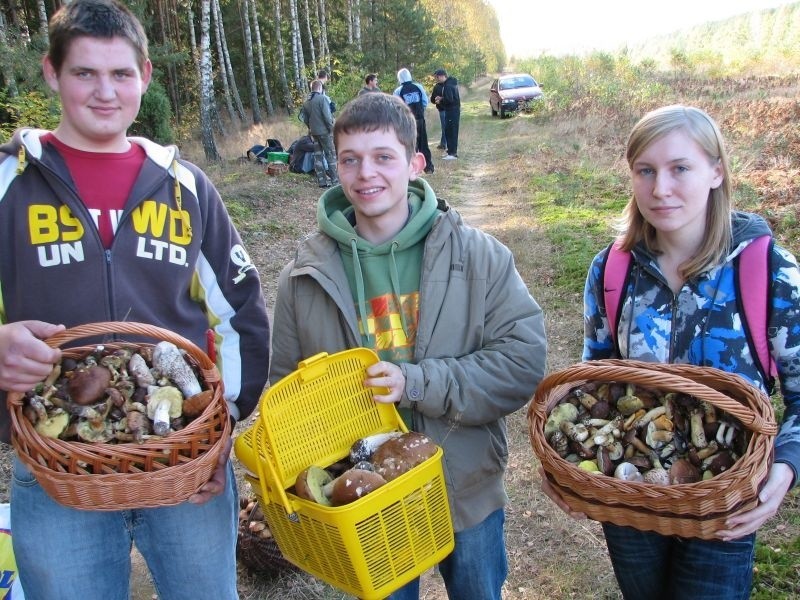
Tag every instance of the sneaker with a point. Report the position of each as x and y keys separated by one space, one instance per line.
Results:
x=449 y=157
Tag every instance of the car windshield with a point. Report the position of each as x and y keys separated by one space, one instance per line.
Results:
x=520 y=81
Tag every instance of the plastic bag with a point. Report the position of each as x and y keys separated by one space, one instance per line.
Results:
x=10 y=588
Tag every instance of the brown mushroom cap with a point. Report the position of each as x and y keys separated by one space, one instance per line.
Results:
x=403 y=453
x=310 y=483
x=354 y=484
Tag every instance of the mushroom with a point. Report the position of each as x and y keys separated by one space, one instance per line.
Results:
x=362 y=449
x=87 y=385
x=401 y=454
x=137 y=367
x=163 y=404
x=561 y=413
x=53 y=424
x=627 y=472
x=698 y=436
x=683 y=471
x=310 y=485
x=352 y=485
x=168 y=360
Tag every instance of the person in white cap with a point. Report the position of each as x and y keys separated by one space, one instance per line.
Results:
x=414 y=95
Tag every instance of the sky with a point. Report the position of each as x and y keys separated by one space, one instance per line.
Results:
x=530 y=27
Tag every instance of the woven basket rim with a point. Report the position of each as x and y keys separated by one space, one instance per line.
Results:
x=194 y=449
x=724 y=493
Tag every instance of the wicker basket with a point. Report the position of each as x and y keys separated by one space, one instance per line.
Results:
x=688 y=510
x=277 y=168
x=102 y=476
x=259 y=554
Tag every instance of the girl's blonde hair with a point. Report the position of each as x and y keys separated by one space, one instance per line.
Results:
x=701 y=128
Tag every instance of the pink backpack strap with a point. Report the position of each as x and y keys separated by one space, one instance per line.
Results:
x=615 y=275
x=755 y=294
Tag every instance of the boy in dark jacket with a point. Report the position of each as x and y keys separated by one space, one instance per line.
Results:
x=460 y=339
x=450 y=101
x=96 y=226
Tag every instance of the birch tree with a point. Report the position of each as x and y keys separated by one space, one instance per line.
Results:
x=324 y=50
x=287 y=95
x=310 y=37
x=297 y=47
x=261 y=65
x=248 y=58
x=40 y=7
x=228 y=69
x=6 y=68
x=226 y=88
x=206 y=84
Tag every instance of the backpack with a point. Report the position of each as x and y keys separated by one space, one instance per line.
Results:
x=413 y=98
x=299 y=151
x=753 y=299
x=259 y=152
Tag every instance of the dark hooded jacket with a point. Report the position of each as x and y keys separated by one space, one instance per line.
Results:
x=702 y=324
x=176 y=261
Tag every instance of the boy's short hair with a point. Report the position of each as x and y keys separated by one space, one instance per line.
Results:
x=370 y=77
x=316 y=86
x=96 y=19
x=374 y=112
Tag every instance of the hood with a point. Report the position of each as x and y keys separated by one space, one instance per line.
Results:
x=452 y=80
x=403 y=76
x=336 y=218
x=746 y=226
x=27 y=143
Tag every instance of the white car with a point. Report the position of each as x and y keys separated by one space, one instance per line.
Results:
x=510 y=93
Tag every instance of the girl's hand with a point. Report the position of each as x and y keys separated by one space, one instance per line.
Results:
x=551 y=493
x=770 y=498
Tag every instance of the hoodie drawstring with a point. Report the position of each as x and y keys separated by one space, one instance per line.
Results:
x=21 y=159
x=179 y=200
x=395 y=279
x=360 y=293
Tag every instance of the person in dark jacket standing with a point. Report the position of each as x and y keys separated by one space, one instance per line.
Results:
x=460 y=339
x=438 y=92
x=450 y=100
x=413 y=94
x=119 y=229
x=317 y=115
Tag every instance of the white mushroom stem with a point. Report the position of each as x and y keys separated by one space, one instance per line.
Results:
x=169 y=361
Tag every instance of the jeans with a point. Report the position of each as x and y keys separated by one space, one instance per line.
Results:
x=651 y=566
x=477 y=567
x=443 y=122
x=451 y=130
x=67 y=554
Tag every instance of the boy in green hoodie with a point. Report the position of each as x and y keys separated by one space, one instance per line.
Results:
x=460 y=339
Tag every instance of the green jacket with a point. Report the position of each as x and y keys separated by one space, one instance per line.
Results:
x=479 y=355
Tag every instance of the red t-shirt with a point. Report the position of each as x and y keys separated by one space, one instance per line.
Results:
x=103 y=180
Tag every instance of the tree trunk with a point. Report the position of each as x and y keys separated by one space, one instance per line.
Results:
x=248 y=56
x=324 y=50
x=206 y=84
x=261 y=65
x=309 y=35
x=43 y=21
x=222 y=67
x=297 y=48
x=287 y=95
x=9 y=77
x=228 y=69
x=357 y=23
x=350 y=22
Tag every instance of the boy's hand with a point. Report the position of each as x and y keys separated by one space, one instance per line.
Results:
x=24 y=358
x=386 y=375
x=216 y=485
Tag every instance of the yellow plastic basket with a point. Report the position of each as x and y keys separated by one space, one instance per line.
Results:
x=368 y=548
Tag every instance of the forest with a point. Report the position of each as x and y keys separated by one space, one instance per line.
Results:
x=223 y=65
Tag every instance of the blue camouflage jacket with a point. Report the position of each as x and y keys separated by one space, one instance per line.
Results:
x=701 y=324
